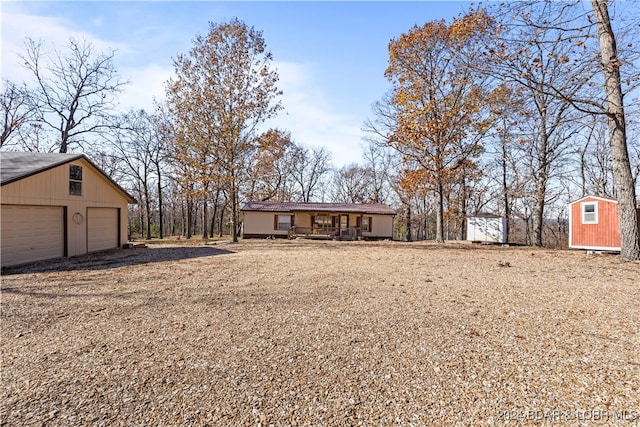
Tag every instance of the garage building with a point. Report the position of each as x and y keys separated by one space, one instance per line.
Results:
x=56 y=205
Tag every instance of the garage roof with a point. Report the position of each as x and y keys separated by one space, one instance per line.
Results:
x=364 y=208
x=15 y=166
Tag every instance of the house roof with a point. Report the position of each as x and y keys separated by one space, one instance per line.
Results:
x=15 y=166
x=363 y=208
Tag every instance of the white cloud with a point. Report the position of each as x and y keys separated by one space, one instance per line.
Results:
x=53 y=31
x=145 y=84
x=310 y=117
x=309 y=114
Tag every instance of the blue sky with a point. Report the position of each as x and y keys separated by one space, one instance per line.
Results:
x=330 y=56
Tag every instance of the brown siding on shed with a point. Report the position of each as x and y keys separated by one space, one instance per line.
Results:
x=605 y=234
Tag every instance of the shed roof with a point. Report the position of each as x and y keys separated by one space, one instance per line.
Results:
x=604 y=198
x=15 y=166
x=363 y=208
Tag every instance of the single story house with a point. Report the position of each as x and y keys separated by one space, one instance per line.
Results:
x=346 y=221
x=594 y=224
x=56 y=205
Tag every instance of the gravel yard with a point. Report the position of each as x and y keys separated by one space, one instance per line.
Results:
x=322 y=333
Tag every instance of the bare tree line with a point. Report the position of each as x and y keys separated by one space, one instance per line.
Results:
x=515 y=123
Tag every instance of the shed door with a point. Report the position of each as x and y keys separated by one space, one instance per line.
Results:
x=31 y=233
x=102 y=229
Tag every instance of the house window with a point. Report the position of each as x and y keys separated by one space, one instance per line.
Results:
x=75 y=180
x=590 y=213
x=283 y=222
x=323 y=222
x=366 y=224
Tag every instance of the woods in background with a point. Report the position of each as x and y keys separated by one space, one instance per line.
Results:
x=512 y=110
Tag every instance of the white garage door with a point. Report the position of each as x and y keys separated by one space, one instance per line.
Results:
x=31 y=233
x=102 y=229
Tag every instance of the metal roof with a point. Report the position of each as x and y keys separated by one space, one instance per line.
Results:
x=363 y=208
x=15 y=166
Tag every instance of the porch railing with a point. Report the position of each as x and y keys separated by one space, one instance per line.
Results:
x=349 y=233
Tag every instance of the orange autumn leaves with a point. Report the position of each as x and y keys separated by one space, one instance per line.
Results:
x=439 y=95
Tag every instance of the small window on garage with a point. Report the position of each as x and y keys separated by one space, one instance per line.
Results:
x=75 y=180
x=590 y=213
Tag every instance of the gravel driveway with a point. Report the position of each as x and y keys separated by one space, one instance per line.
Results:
x=322 y=333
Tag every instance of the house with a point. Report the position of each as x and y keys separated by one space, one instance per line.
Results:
x=57 y=205
x=346 y=221
x=487 y=228
x=594 y=224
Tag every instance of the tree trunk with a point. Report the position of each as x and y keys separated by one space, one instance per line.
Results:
x=505 y=190
x=538 y=209
x=205 y=218
x=160 y=215
x=462 y=209
x=147 y=208
x=583 y=167
x=141 y=221
x=440 y=214
x=212 y=231
x=407 y=236
x=234 y=212
x=629 y=233
x=426 y=218
x=189 y=217
x=221 y=221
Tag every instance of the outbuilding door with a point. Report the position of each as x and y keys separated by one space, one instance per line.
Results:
x=103 y=229
x=31 y=233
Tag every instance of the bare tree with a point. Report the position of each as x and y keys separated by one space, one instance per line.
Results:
x=309 y=168
x=269 y=170
x=583 y=69
x=378 y=160
x=532 y=54
x=625 y=187
x=352 y=184
x=75 y=90
x=17 y=110
x=134 y=146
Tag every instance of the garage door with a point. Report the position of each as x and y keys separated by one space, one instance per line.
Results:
x=31 y=233
x=102 y=229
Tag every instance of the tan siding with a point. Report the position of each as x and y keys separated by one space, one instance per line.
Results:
x=102 y=229
x=382 y=226
x=31 y=233
x=261 y=223
x=52 y=188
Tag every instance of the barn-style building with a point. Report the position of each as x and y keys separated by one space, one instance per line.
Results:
x=57 y=205
x=594 y=224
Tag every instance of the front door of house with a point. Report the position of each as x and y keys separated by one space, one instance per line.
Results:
x=344 y=222
x=344 y=227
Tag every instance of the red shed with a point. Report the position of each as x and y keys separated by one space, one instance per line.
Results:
x=594 y=224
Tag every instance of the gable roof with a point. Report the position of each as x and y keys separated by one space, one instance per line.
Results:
x=15 y=166
x=363 y=208
x=603 y=198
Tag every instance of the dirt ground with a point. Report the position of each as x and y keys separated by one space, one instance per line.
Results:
x=322 y=333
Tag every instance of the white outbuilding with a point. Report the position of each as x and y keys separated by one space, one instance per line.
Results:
x=487 y=229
